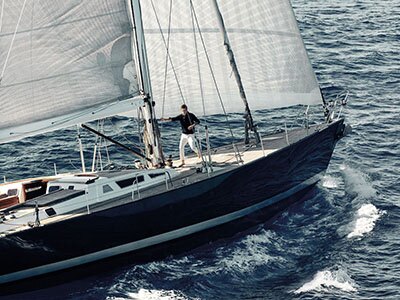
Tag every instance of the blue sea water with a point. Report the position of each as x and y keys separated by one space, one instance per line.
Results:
x=342 y=243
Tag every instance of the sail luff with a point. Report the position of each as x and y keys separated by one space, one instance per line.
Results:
x=152 y=137
x=307 y=54
x=231 y=57
x=139 y=46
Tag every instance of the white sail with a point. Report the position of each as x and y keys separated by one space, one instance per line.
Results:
x=265 y=39
x=63 y=62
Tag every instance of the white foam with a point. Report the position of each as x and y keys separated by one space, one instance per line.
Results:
x=152 y=294
x=357 y=183
x=330 y=182
x=251 y=252
x=326 y=279
x=366 y=218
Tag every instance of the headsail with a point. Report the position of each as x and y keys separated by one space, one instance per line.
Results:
x=268 y=48
x=63 y=62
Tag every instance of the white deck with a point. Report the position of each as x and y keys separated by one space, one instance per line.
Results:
x=223 y=158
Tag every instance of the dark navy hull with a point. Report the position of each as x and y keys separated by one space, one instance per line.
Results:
x=214 y=207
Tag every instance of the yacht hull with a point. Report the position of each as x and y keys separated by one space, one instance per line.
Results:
x=217 y=206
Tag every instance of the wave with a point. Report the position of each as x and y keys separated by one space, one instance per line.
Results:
x=357 y=183
x=366 y=218
x=251 y=252
x=153 y=294
x=150 y=294
x=330 y=182
x=326 y=279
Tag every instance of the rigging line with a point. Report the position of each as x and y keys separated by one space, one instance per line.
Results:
x=212 y=72
x=31 y=58
x=105 y=141
x=124 y=136
x=12 y=41
x=134 y=151
x=198 y=66
x=201 y=91
x=72 y=164
x=97 y=144
x=166 y=59
x=2 y=14
x=169 y=55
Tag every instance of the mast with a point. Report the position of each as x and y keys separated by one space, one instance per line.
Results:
x=151 y=138
x=249 y=123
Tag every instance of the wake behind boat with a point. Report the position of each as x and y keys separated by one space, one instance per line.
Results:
x=86 y=217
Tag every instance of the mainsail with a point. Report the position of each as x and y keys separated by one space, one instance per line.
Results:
x=264 y=36
x=63 y=63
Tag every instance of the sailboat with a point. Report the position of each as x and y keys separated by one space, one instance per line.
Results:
x=65 y=63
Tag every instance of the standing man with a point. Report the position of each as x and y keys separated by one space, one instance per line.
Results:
x=188 y=122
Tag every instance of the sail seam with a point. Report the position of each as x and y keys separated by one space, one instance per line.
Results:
x=57 y=76
x=63 y=23
x=229 y=30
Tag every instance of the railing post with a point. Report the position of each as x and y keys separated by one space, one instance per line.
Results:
x=94 y=157
x=287 y=135
x=81 y=151
x=166 y=180
x=137 y=186
x=87 y=200
x=209 y=164
x=262 y=144
x=307 y=121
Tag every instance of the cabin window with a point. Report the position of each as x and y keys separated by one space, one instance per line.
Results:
x=71 y=187
x=130 y=181
x=54 y=188
x=12 y=192
x=107 y=189
x=50 y=211
x=154 y=175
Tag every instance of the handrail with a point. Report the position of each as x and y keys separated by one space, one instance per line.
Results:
x=341 y=100
x=168 y=176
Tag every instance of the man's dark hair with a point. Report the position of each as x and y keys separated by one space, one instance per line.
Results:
x=183 y=106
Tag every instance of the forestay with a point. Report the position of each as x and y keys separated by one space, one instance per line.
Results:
x=63 y=62
x=265 y=39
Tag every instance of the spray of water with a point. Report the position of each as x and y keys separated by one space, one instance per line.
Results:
x=359 y=185
x=365 y=221
x=326 y=280
x=149 y=294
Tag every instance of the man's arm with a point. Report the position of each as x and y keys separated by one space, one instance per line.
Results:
x=177 y=118
x=195 y=120
x=170 y=119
